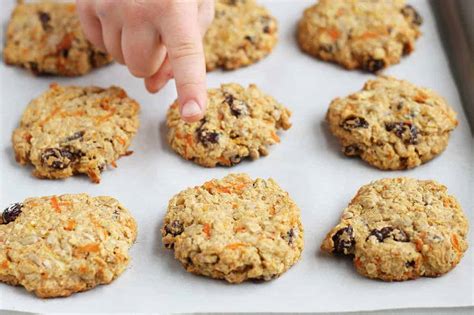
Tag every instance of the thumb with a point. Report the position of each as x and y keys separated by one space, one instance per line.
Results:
x=182 y=38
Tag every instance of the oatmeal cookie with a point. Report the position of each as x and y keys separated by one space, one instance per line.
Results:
x=46 y=38
x=235 y=229
x=58 y=245
x=242 y=33
x=392 y=124
x=70 y=130
x=364 y=34
x=401 y=229
x=239 y=123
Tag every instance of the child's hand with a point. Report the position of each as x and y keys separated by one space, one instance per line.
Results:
x=156 y=40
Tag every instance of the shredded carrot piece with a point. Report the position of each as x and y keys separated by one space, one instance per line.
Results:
x=357 y=262
x=71 y=224
x=420 y=97
x=369 y=35
x=65 y=43
x=27 y=137
x=114 y=165
x=121 y=140
x=105 y=104
x=224 y=161
x=275 y=137
x=65 y=203
x=54 y=85
x=240 y=186
x=4 y=264
x=55 y=204
x=225 y=190
x=54 y=112
x=88 y=248
x=240 y=229
x=447 y=201
x=208 y=185
x=93 y=176
x=235 y=245
x=207 y=230
x=76 y=113
x=127 y=153
x=83 y=269
x=189 y=140
x=419 y=244
x=122 y=94
x=272 y=210
x=334 y=33
x=455 y=242
x=106 y=116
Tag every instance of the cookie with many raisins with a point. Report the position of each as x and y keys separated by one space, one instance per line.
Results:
x=239 y=123
x=241 y=34
x=46 y=37
x=392 y=124
x=235 y=229
x=363 y=34
x=401 y=229
x=58 y=245
x=72 y=130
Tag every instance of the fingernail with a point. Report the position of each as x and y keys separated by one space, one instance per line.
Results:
x=190 y=109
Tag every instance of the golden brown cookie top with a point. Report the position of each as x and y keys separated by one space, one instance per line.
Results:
x=239 y=123
x=235 y=228
x=58 y=245
x=242 y=33
x=400 y=229
x=69 y=130
x=392 y=124
x=364 y=34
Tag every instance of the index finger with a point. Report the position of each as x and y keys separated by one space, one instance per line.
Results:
x=182 y=37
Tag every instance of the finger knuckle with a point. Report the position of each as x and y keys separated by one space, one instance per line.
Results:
x=185 y=49
x=188 y=85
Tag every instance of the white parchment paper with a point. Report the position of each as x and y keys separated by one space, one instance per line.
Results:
x=307 y=163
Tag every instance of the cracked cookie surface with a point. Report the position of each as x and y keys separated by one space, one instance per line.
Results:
x=58 y=245
x=46 y=38
x=241 y=34
x=363 y=34
x=75 y=130
x=392 y=124
x=401 y=229
x=235 y=228
x=239 y=123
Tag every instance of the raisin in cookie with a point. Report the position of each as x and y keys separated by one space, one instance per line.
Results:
x=364 y=34
x=392 y=124
x=58 y=245
x=71 y=130
x=235 y=229
x=400 y=229
x=46 y=37
x=239 y=122
x=241 y=34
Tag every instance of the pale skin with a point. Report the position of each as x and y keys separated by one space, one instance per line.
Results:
x=157 y=40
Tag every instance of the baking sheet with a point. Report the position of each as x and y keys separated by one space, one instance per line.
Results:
x=307 y=163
